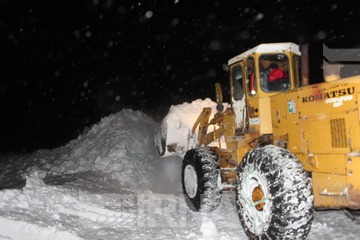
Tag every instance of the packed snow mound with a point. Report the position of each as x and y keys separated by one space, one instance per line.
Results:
x=174 y=136
x=120 y=145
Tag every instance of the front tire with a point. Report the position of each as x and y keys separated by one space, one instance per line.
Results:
x=201 y=180
x=274 y=195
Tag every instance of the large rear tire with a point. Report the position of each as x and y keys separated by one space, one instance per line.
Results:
x=274 y=195
x=201 y=180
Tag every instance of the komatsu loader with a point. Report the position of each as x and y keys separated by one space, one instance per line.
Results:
x=285 y=147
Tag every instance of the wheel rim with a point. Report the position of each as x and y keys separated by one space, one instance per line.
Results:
x=190 y=181
x=254 y=200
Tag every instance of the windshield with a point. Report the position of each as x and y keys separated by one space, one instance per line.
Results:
x=274 y=72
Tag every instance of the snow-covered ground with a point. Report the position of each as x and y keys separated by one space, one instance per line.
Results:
x=110 y=183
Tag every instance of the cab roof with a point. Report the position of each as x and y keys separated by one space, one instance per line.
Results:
x=268 y=48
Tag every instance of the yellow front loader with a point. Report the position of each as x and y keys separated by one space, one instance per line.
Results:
x=284 y=146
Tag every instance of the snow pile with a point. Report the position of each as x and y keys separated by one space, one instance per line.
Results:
x=120 y=145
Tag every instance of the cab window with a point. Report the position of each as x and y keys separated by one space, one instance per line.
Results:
x=237 y=82
x=274 y=72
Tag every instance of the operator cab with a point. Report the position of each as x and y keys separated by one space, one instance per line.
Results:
x=257 y=74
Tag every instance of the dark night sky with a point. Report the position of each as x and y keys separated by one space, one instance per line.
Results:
x=65 y=64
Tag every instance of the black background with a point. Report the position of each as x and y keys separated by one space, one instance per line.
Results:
x=65 y=64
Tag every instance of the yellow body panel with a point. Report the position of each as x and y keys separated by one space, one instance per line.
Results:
x=260 y=121
x=330 y=190
x=320 y=124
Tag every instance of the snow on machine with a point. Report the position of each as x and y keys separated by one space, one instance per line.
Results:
x=284 y=146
